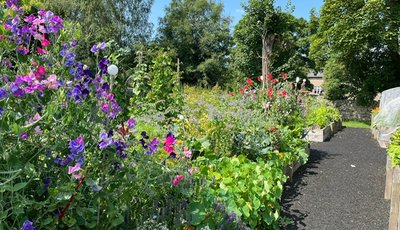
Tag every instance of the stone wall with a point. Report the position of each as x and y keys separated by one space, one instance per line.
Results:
x=351 y=111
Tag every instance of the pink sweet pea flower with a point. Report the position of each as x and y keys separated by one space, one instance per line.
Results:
x=176 y=180
x=187 y=152
x=45 y=42
x=169 y=149
x=38 y=131
x=73 y=169
x=51 y=82
x=41 y=51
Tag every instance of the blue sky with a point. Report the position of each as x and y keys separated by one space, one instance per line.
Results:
x=234 y=9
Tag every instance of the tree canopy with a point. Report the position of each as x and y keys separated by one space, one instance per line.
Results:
x=357 y=44
x=267 y=39
x=198 y=34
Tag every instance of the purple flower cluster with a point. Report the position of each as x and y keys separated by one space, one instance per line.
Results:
x=108 y=103
x=36 y=27
x=76 y=147
x=68 y=54
x=107 y=139
x=98 y=47
x=29 y=84
x=150 y=147
x=80 y=91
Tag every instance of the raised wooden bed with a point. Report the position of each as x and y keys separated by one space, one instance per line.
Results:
x=321 y=135
x=392 y=193
x=291 y=169
x=336 y=126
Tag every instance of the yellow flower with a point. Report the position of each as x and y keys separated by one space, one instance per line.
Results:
x=179 y=142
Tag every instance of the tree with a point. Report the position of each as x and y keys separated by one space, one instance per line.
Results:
x=199 y=35
x=361 y=39
x=269 y=40
x=124 y=21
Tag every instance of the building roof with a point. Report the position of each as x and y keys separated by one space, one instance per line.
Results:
x=314 y=74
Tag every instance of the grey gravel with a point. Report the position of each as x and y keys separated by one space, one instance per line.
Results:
x=341 y=187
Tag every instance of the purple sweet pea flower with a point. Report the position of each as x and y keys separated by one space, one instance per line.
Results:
x=153 y=146
x=77 y=146
x=131 y=123
x=94 y=49
x=3 y=93
x=102 y=46
x=24 y=136
x=28 y=225
x=105 y=140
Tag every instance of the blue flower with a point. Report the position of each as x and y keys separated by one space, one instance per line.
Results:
x=77 y=146
x=94 y=49
x=1 y=111
x=28 y=225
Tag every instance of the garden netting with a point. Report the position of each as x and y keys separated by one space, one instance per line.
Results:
x=388 y=119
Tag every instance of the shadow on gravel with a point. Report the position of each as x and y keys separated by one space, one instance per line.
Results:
x=292 y=189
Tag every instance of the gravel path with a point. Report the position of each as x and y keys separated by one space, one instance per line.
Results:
x=341 y=187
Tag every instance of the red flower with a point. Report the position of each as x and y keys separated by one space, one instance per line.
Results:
x=275 y=80
x=249 y=82
x=283 y=93
x=241 y=91
x=269 y=78
x=259 y=78
x=284 y=76
x=270 y=92
x=246 y=87
x=231 y=94
x=272 y=129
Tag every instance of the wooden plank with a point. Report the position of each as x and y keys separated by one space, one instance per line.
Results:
x=389 y=179
x=395 y=201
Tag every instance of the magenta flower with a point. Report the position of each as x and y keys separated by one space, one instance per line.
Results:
x=170 y=139
x=177 y=179
x=24 y=136
x=104 y=107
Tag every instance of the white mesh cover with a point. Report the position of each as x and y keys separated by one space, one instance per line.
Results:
x=388 y=119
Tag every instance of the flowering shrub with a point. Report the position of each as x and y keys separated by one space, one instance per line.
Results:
x=69 y=155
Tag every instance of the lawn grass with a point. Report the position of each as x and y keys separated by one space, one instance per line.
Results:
x=357 y=124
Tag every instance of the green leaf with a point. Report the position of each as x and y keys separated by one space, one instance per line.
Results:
x=119 y=219
x=197 y=212
x=19 y=186
x=246 y=211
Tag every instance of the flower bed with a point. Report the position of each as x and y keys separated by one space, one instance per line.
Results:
x=74 y=157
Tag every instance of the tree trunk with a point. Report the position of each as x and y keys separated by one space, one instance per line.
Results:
x=267 y=43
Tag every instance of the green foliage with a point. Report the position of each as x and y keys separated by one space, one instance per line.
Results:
x=157 y=89
x=357 y=42
x=199 y=35
x=394 y=148
x=249 y=190
x=123 y=21
x=289 y=49
x=334 y=76
x=322 y=115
